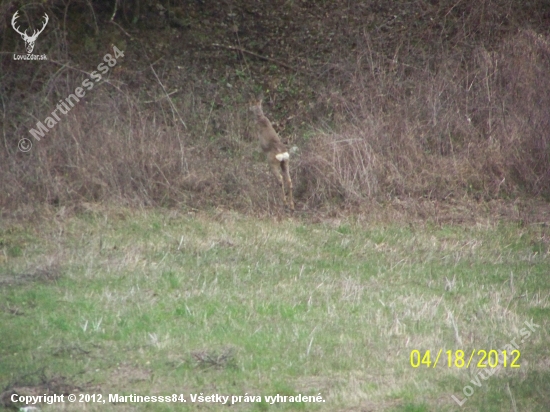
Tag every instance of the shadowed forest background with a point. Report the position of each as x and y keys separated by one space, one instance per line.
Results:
x=430 y=107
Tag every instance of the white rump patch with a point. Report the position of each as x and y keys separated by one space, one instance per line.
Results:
x=282 y=156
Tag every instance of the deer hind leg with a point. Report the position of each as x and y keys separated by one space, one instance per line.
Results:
x=286 y=173
x=276 y=171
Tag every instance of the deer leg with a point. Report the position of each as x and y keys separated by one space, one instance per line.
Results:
x=284 y=194
x=277 y=173
x=291 y=199
x=285 y=167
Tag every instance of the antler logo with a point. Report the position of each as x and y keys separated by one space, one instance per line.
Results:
x=29 y=40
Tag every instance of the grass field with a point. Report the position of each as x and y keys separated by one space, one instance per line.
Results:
x=163 y=302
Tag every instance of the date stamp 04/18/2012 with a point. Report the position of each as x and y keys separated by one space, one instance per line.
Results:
x=459 y=359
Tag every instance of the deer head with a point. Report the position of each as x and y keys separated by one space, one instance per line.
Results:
x=255 y=106
x=29 y=40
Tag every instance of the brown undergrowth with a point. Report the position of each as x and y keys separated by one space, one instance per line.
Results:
x=466 y=124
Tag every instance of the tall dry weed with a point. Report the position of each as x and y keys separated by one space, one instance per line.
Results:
x=475 y=128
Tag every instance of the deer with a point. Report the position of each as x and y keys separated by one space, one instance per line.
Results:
x=276 y=152
x=29 y=40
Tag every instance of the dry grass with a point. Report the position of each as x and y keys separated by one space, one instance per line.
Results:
x=466 y=124
x=461 y=130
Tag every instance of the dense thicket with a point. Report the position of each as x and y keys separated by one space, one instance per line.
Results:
x=378 y=99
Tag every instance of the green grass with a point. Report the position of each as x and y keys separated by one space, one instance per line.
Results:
x=156 y=303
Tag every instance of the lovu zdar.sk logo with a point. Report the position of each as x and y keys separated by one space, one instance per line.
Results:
x=29 y=40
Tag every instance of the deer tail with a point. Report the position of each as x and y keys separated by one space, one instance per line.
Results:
x=281 y=157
